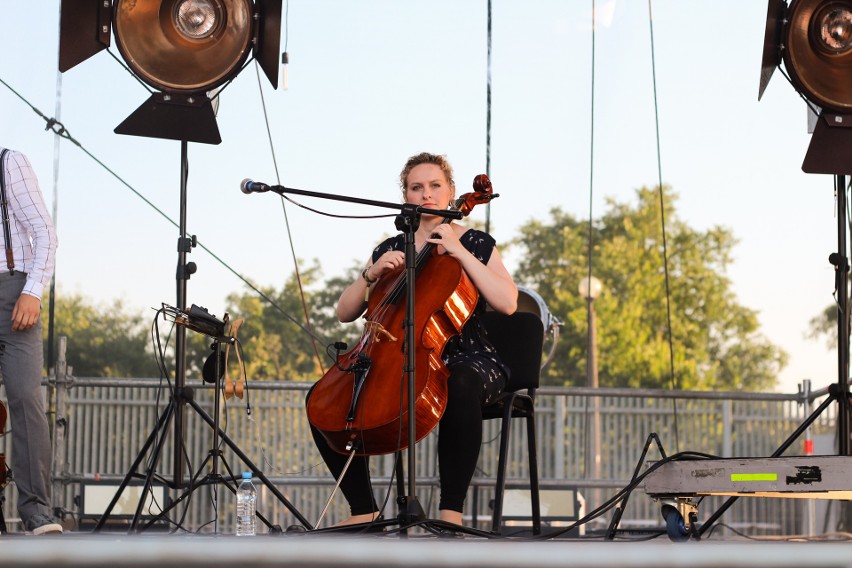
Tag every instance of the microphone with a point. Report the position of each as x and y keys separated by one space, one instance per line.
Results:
x=248 y=186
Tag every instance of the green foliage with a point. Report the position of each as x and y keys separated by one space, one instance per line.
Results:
x=715 y=340
x=716 y=344
x=275 y=346
x=825 y=325
x=110 y=342
x=103 y=341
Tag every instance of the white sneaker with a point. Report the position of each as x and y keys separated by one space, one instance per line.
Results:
x=43 y=524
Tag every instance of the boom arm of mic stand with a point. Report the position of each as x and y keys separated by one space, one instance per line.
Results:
x=448 y=213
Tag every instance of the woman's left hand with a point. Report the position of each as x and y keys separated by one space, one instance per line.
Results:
x=492 y=280
x=445 y=236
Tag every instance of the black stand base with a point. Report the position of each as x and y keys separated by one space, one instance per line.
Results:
x=410 y=510
x=181 y=395
x=186 y=399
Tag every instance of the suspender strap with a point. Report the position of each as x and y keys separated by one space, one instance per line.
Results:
x=4 y=209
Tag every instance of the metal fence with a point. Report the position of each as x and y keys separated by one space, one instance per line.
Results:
x=100 y=427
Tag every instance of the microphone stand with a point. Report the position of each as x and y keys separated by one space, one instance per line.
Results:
x=408 y=222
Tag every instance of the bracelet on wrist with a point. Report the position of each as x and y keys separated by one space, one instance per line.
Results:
x=367 y=278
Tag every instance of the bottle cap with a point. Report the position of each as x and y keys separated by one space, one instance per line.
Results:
x=246 y=475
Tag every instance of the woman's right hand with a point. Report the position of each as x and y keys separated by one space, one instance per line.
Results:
x=353 y=300
x=388 y=262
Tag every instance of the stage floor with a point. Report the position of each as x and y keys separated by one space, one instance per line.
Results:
x=325 y=551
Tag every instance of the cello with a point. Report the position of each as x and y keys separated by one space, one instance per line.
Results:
x=360 y=405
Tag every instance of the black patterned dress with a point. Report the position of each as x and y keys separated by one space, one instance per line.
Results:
x=477 y=376
x=471 y=346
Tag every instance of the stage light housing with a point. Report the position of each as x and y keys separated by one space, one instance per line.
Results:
x=818 y=52
x=813 y=38
x=182 y=48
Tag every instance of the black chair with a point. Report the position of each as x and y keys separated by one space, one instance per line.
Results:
x=519 y=339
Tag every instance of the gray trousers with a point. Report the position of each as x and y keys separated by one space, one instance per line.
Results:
x=21 y=364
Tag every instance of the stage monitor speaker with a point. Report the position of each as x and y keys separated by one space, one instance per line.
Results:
x=95 y=496
x=560 y=506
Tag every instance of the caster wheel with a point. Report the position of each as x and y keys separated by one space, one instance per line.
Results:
x=675 y=527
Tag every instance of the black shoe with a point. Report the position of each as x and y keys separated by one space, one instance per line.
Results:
x=43 y=524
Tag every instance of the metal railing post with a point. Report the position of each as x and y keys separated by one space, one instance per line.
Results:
x=727 y=428
x=561 y=443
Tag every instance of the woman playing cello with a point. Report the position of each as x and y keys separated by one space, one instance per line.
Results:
x=477 y=375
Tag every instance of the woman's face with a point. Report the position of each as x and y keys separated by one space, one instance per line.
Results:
x=428 y=187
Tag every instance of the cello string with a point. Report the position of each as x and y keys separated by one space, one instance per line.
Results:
x=420 y=258
x=369 y=337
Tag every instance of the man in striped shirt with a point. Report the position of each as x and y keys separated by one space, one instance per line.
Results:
x=25 y=272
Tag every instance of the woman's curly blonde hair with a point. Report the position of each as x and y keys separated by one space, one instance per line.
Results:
x=426 y=158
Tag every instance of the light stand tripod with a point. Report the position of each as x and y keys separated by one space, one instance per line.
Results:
x=677 y=483
x=181 y=396
x=823 y=82
x=838 y=392
x=840 y=260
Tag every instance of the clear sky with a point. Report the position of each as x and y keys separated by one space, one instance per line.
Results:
x=375 y=81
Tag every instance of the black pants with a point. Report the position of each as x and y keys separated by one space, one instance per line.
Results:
x=459 y=440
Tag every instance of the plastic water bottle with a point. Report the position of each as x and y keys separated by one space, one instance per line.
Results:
x=246 y=507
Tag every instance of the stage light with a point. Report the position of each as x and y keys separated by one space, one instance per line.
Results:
x=182 y=48
x=818 y=52
x=197 y=20
x=187 y=47
x=813 y=38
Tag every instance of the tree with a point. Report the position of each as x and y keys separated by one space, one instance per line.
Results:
x=110 y=342
x=274 y=344
x=825 y=325
x=103 y=341
x=716 y=344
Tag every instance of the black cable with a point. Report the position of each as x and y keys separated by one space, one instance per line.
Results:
x=663 y=226
x=815 y=109
x=132 y=74
x=286 y=24
x=287 y=223
x=58 y=128
x=488 y=121
x=613 y=501
x=589 y=344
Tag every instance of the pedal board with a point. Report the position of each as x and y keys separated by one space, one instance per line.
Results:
x=804 y=477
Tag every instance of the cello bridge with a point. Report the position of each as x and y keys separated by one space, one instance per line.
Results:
x=379 y=331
